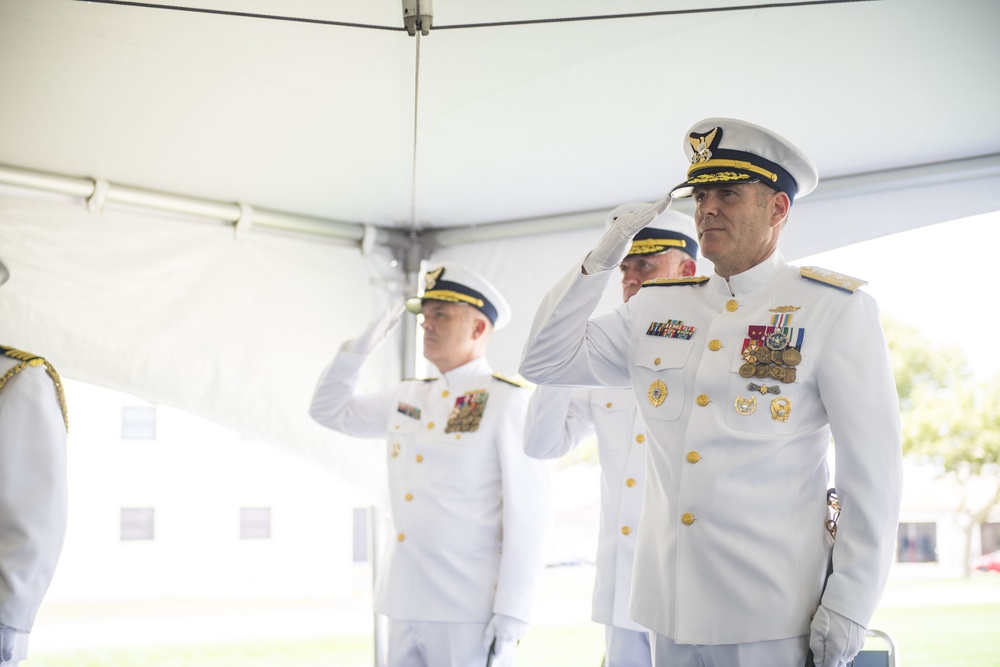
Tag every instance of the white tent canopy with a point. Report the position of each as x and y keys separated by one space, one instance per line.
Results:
x=198 y=207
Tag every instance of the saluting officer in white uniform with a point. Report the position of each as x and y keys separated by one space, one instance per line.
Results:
x=741 y=379
x=32 y=490
x=470 y=510
x=560 y=418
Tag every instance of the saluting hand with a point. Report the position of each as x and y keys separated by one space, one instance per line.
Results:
x=378 y=330
x=614 y=245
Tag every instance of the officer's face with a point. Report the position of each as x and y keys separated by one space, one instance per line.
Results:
x=449 y=333
x=638 y=269
x=738 y=225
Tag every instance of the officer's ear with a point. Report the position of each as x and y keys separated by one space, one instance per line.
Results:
x=479 y=327
x=688 y=267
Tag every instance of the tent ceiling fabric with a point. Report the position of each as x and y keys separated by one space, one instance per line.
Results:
x=555 y=123
x=514 y=122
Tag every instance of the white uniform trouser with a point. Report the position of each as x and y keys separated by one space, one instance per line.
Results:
x=775 y=653
x=626 y=648
x=432 y=644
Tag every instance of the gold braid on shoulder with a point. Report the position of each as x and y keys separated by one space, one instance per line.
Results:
x=26 y=359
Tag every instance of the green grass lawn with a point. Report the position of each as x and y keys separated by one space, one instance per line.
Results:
x=927 y=634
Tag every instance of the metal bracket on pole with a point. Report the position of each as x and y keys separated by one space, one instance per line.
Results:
x=245 y=222
x=96 y=201
x=418 y=15
x=368 y=239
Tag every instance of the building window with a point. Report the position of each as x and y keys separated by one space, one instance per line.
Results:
x=990 y=534
x=137 y=523
x=255 y=523
x=138 y=423
x=917 y=543
x=361 y=540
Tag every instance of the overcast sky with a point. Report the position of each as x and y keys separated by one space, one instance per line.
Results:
x=937 y=278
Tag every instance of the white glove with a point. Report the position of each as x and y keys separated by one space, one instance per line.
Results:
x=506 y=630
x=834 y=640
x=613 y=246
x=378 y=330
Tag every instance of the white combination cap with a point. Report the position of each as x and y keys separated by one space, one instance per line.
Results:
x=455 y=283
x=726 y=150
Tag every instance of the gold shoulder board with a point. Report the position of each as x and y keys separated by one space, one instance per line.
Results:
x=667 y=282
x=516 y=383
x=838 y=280
x=26 y=359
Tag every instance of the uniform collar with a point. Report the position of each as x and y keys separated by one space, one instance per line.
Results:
x=475 y=367
x=752 y=279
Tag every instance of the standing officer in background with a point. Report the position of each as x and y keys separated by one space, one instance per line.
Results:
x=32 y=490
x=470 y=510
x=560 y=418
x=741 y=380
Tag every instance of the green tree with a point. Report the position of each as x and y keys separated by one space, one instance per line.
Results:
x=949 y=422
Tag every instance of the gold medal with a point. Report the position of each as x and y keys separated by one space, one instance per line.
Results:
x=657 y=393
x=789 y=376
x=764 y=356
x=777 y=372
x=781 y=408
x=761 y=370
x=791 y=357
x=745 y=406
x=747 y=370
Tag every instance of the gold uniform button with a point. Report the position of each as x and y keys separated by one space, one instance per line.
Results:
x=693 y=457
x=715 y=345
x=656 y=362
x=420 y=458
x=444 y=394
x=608 y=405
x=731 y=305
x=409 y=497
x=703 y=400
x=458 y=436
x=640 y=438
x=626 y=530
x=630 y=482
x=687 y=518
x=430 y=425
x=400 y=537
x=396 y=427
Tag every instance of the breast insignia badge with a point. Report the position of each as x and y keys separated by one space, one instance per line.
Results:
x=657 y=393
x=781 y=409
x=745 y=406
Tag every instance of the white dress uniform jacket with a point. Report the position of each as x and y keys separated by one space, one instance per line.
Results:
x=470 y=510
x=558 y=420
x=732 y=544
x=33 y=492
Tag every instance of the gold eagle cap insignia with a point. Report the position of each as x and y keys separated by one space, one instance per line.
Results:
x=430 y=280
x=702 y=144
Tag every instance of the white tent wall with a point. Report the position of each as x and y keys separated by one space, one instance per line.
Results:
x=183 y=313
